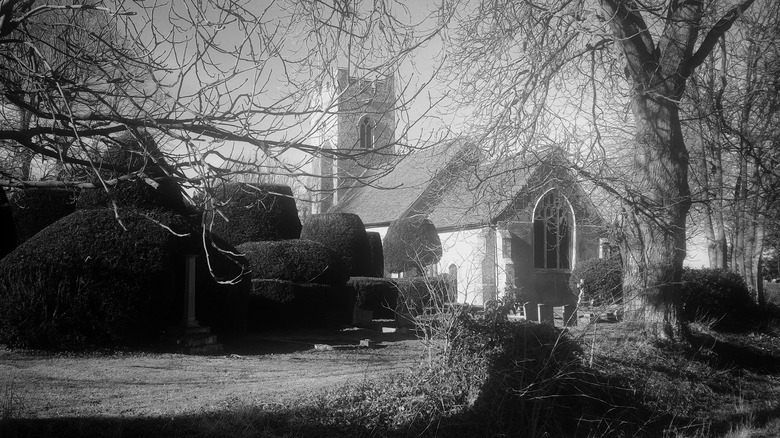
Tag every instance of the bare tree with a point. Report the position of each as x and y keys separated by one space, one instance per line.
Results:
x=561 y=71
x=213 y=81
x=734 y=113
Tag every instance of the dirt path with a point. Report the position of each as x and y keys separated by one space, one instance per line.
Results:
x=264 y=369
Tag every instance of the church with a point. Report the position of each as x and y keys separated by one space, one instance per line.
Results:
x=517 y=223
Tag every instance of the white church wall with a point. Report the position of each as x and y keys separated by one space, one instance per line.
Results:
x=467 y=250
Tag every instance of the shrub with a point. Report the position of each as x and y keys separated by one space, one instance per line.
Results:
x=380 y=295
x=8 y=238
x=411 y=243
x=715 y=294
x=256 y=212
x=344 y=233
x=85 y=282
x=137 y=194
x=602 y=280
x=377 y=254
x=82 y=281
x=135 y=152
x=284 y=304
x=298 y=261
x=36 y=208
x=418 y=293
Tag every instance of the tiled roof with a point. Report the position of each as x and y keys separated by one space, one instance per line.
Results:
x=456 y=186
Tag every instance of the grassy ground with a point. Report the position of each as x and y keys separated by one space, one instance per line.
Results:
x=512 y=380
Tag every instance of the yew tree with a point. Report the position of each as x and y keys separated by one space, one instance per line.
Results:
x=605 y=79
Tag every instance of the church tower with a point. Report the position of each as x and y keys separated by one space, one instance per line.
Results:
x=356 y=134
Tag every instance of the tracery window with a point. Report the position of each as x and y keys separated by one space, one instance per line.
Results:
x=365 y=133
x=552 y=233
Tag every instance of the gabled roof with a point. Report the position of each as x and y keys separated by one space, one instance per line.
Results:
x=457 y=186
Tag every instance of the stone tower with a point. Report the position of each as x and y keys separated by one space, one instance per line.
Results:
x=356 y=134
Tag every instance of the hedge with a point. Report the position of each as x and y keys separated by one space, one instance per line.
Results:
x=717 y=295
x=298 y=261
x=36 y=208
x=344 y=233
x=133 y=155
x=380 y=295
x=256 y=212
x=136 y=194
x=275 y=304
x=416 y=294
x=411 y=243
x=8 y=238
x=602 y=280
x=377 y=254
x=86 y=282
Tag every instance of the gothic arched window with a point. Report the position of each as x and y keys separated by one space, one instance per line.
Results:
x=365 y=133
x=552 y=233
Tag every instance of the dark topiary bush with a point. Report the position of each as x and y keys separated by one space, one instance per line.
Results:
x=8 y=238
x=379 y=295
x=415 y=294
x=377 y=254
x=36 y=208
x=85 y=282
x=256 y=212
x=282 y=304
x=411 y=243
x=715 y=294
x=137 y=194
x=344 y=233
x=602 y=280
x=298 y=261
x=134 y=152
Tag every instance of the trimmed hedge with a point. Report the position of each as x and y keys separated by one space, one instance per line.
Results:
x=8 y=238
x=256 y=212
x=134 y=155
x=377 y=254
x=344 y=233
x=138 y=194
x=411 y=243
x=36 y=208
x=277 y=304
x=715 y=294
x=85 y=282
x=415 y=294
x=298 y=261
x=602 y=280
x=380 y=295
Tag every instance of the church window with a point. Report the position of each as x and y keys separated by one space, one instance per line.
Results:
x=552 y=233
x=366 y=134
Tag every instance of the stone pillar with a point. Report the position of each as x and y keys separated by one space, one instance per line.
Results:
x=570 y=315
x=546 y=314
x=189 y=288
x=531 y=311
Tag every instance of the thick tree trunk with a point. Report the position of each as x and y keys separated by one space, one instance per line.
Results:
x=654 y=247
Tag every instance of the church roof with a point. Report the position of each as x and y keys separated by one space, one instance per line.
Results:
x=457 y=186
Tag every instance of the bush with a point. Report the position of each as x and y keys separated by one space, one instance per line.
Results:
x=8 y=238
x=135 y=152
x=36 y=208
x=86 y=282
x=136 y=194
x=377 y=254
x=298 y=261
x=283 y=304
x=344 y=233
x=380 y=295
x=415 y=294
x=602 y=280
x=411 y=243
x=256 y=212
x=715 y=294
